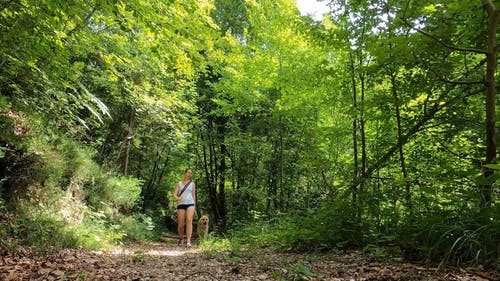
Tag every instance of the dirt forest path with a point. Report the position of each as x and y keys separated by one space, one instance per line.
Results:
x=167 y=261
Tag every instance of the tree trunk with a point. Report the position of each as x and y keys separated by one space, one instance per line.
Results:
x=354 y=128
x=362 y=123
x=272 y=181
x=491 y=63
x=165 y=165
x=400 y=139
x=281 y=168
x=493 y=12
x=146 y=189
x=392 y=73
x=130 y=136
x=362 y=135
x=209 y=172
x=221 y=131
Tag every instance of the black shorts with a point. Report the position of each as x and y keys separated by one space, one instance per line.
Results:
x=184 y=206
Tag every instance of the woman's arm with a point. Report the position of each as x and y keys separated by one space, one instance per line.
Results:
x=193 y=192
x=176 y=191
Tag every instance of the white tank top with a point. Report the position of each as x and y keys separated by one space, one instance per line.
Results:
x=187 y=195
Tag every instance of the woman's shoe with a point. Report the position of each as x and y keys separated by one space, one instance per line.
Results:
x=188 y=244
x=180 y=242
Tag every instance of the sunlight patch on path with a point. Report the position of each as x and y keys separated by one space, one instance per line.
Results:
x=157 y=253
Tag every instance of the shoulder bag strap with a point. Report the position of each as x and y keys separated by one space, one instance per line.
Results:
x=184 y=188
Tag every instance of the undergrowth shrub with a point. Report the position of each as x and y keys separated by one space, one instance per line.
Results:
x=443 y=237
x=213 y=244
x=40 y=228
x=64 y=162
x=138 y=227
x=54 y=184
x=334 y=225
x=115 y=193
x=8 y=243
x=327 y=227
x=448 y=238
x=43 y=233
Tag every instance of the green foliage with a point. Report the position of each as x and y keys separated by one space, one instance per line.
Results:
x=470 y=239
x=302 y=270
x=64 y=162
x=8 y=243
x=227 y=248
x=138 y=256
x=103 y=103
x=115 y=193
x=213 y=244
x=43 y=229
x=137 y=227
x=47 y=198
x=43 y=233
x=327 y=228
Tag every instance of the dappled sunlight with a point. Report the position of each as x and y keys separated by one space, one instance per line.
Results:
x=158 y=252
x=154 y=261
x=284 y=139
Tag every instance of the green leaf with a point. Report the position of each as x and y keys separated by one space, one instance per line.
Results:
x=304 y=271
x=4 y=103
x=2 y=151
x=489 y=180
x=104 y=109
x=430 y=9
x=492 y=166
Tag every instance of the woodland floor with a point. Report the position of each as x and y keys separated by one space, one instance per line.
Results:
x=167 y=261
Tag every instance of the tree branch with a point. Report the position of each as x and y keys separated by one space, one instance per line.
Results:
x=489 y=7
x=461 y=82
x=458 y=155
x=440 y=41
x=492 y=11
x=429 y=115
x=86 y=21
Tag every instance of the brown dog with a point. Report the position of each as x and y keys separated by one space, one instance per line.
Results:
x=203 y=227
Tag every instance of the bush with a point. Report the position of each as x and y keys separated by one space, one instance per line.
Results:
x=138 y=227
x=328 y=227
x=466 y=239
x=113 y=193
x=51 y=181
x=41 y=228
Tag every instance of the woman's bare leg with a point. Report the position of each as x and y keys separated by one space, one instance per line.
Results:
x=180 y=223
x=189 y=223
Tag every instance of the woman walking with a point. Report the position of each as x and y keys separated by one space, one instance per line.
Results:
x=185 y=194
